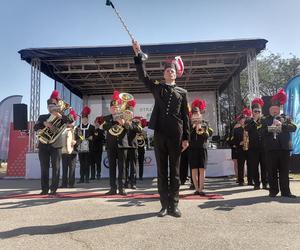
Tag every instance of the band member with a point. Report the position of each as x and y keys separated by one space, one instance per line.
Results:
x=184 y=166
x=170 y=123
x=234 y=153
x=198 y=145
x=142 y=141
x=69 y=153
x=116 y=141
x=256 y=154
x=131 y=157
x=50 y=151
x=277 y=144
x=97 y=142
x=85 y=131
x=239 y=141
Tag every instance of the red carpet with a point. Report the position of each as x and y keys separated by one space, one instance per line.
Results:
x=81 y=195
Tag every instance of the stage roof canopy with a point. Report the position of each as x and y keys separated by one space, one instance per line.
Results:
x=99 y=70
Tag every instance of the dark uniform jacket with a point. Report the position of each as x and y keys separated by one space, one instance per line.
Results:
x=199 y=141
x=170 y=112
x=256 y=134
x=283 y=139
x=40 y=125
x=237 y=137
x=126 y=139
x=98 y=140
x=88 y=132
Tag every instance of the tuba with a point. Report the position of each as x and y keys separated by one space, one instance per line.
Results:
x=47 y=135
x=123 y=113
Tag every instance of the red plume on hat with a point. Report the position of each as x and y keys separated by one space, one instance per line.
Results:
x=257 y=101
x=55 y=95
x=280 y=98
x=115 y=100
x=99 y=119
x=201 y=104
x=179 y=66
x=73 y=114
x=86 y=111
x=131 y=103
x=246 y=112
x=144 y=122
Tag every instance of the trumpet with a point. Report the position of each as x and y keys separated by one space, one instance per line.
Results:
x=275 y=129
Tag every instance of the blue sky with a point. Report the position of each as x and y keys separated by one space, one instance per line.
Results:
x=62 y=23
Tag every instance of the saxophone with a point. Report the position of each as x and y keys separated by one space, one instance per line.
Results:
x=245 y=140
x=49 y=136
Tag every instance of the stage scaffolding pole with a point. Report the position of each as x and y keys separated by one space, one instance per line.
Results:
x=34 y=101
x=253 y=83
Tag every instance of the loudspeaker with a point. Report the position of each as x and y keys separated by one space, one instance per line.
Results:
x=267 y=101
x=20 y=116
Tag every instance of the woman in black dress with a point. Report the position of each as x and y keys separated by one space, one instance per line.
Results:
x=198 y=145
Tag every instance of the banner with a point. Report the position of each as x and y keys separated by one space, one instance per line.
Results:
x=18 y=145
x=6 y=117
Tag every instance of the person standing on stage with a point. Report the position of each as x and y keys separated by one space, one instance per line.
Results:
x=198 y=145
x=170 y=122
x=69 y=153
x=97 y=142
x=131 y=157
x=85 y=131
x=116 y=143
x=50 y=152
x=277 y=143
x=239 y=141
x=142 y=141
x=256 y=154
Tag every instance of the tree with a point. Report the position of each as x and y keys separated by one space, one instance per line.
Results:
x=273 y=73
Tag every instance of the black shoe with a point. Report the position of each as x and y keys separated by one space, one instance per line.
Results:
x=99 y=177
x=111 y=192
x=122 y=192
x=92 y=178
x=289 y=195
x=272 y=195
x=196 y=193
x=53 y=192
x=71 y=186
x=175 y=212
x=133 y=186
x=256 y=187
x=63 y=186
x=80 y=181
x=250 y=183
x=192 y=187
x=44 y=193
x=202 y=193
x=241 y=183
x=87 y=181
x=265 y=186
x=163 y=212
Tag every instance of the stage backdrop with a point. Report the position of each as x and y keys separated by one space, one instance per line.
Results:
x=219 y=164
x=145 y=102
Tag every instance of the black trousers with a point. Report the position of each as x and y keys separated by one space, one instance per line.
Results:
x=131 y=166
x=257 y=158
x=96 y=159
x=184 y=166
x=47 y=153
x=116 y=157
x=241 y=159
x=167 y=153
x=85 y=162
x=68 y=169
x=141 y=158
x=278 y=163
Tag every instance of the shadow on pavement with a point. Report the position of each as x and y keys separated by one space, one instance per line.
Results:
x=228 y=205
x=73 y=226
